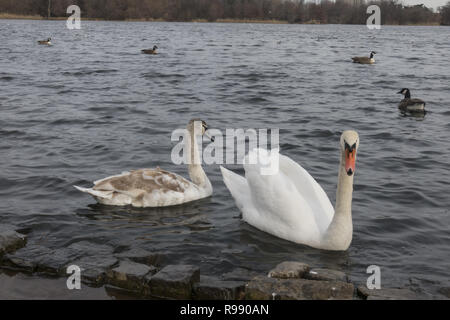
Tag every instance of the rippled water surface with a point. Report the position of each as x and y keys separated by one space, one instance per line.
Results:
x=91 y=106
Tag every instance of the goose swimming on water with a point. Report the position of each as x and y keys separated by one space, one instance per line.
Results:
x=365 y=60
x=410 y=105
x=150 y=51
x=290 y=204
x=157 y=187
x=47 y=42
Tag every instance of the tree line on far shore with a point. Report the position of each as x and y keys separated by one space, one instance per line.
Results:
x=292 y=11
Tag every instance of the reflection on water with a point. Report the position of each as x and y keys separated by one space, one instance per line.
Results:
x=191 y=217
x=416 y=115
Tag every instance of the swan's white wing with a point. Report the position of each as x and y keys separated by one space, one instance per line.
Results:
x=148 y=181
x=311 y=191
x=287 y=203
x=145 y=188
x=280 y=208
x=272 y=202
x=238 y=187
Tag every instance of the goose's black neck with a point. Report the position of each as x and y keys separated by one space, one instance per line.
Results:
x=407 y=95
x=371 y=55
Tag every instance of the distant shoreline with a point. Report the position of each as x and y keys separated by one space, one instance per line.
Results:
x=7 y=16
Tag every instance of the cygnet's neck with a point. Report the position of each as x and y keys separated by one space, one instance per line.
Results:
x=196 y=172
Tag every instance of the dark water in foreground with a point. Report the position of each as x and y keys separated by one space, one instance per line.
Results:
x=92 y=106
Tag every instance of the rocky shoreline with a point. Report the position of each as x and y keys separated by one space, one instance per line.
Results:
x=143 y=273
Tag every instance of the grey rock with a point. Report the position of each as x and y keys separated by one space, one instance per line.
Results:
x=122 y=294
x=10 y=240
x=86 y=248
x=289 y=269
x=37 y=258
x=24 y=259
x=129 y=275
x=445 y=291
x=54 y=262
x=142 y=256
x=390 y=294
x=326 y=275
x=18 y=264
x=94 y=268
x=173 y=282
x=210 y=288
x=239 y=274
x=265 y=288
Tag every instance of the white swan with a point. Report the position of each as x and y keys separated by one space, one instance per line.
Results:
x=291 y=204
x=157 y=187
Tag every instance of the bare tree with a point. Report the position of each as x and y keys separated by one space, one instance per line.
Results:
x=445 y=14
x=293 y=11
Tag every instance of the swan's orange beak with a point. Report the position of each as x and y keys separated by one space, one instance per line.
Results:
x=350 y=160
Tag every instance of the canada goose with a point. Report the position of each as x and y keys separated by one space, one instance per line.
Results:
x=47 y=42
x=157 y=187
x=365 y=60
x=150 y=51
x=411 y=105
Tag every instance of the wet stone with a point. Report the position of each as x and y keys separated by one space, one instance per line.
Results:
x=86 y=248
x=326 y=275
x=25 y=259
x=445 y=291
x=142 y=256
x=289 y=269
x=94 y=268
x=54 y=262
x=129 y=275
x=264 y=288
x=122 y=294
x=173 y=282
x=210 y=288
x=18 y=264
x=390 y=294
x=239 y=274
x=10 y=240
x=37 y=258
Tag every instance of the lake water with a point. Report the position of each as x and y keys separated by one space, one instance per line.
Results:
x=91 y=106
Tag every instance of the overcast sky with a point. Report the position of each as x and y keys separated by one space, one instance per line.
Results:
x=428 y=3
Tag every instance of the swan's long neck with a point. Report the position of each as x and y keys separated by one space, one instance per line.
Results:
x=340 y=231
x=196 y=172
